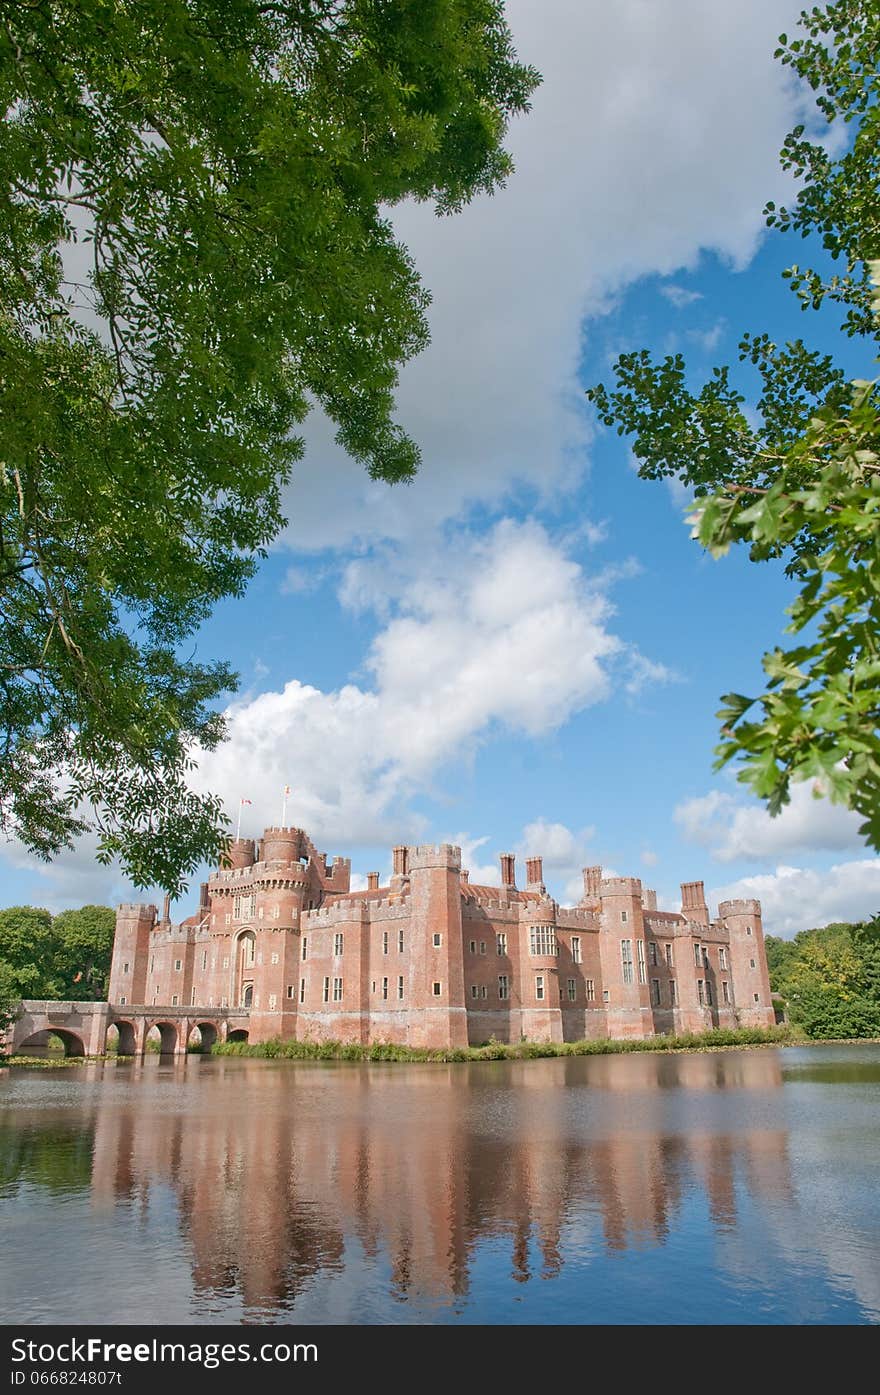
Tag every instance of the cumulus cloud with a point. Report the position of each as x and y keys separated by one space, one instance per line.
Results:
x=735 y=828
x=504 y=629
x=800 y=898
x=639 y=153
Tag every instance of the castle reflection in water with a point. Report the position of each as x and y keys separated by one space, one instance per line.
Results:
x=273 y=1177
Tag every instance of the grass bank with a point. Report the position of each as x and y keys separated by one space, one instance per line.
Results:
x=500 y=1051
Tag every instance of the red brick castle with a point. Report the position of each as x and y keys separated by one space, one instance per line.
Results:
x=432 y=960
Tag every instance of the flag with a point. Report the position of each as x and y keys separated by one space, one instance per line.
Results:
x=287 y=789
x=245 y=801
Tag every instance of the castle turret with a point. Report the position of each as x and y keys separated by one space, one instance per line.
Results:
x=748 y=963
x=437 y=957
x=282 y=844
x=131 y=953
x=240 y=853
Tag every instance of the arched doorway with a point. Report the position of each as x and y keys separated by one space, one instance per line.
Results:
x=245 y=959
x=247 y=995
x=43 y=1044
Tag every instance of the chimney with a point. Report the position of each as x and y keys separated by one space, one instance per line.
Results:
x=465 y=874
x=535 y=872
x=508 y=874
x=166 y=910
x=372 y=881
x=693 y=896
x=203 y=897
x=592 y=883
x=400 y=860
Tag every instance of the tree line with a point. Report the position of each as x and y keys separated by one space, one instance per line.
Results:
x=66 y=956
x=829 y=978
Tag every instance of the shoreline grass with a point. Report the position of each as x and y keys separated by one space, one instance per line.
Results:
x=718 y=1040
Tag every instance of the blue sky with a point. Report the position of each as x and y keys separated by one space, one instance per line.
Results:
x=524 y=650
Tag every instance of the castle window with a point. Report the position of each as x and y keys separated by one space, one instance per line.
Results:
x=384 y=941
x=337 y=990
x=204 y=959
x=484 y=992
x=123 y=1000
x=192 y=998
x=725 y=990
x=623 y=917
x=338 y=943
x=174 y=1000
x=606 y=995
x=542 y=940
x=672 y=994
x=152 y=962
x=640 y=950
x=751 y=963
x=655 y=992
x=572 y=990
x=722 y=957
x=326 y=990
x=626 y=959
x=652 y=953
x=400 y=987
x=539 y=987
x=482 y=946
x=748 y=929
x=178 y=965
x=437 y=987
x=400 y=942
x=503 y=987
x=305 y=949
x=473 y=990
x=501 y=943
x=274 y=957
x=302 y=990
x=385 y=988
x=668 y=956
x=591 y=990
x=290 y=989
x=698 y=956
x=438 y=940
x=227 y=919
x=708 y=992
x=701 y=993
x=273 y=1001
x=473 y=946
x=576 y=949
x=757 y=999
x=125 y=967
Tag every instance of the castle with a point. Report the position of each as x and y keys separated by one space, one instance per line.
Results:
x=432 y=960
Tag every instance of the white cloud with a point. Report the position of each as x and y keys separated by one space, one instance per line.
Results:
x=707 y=339
x=679 y=296
x=798 y=898
x=503 y=629
x=639 y=153
x=650 y=858
x=735 y=828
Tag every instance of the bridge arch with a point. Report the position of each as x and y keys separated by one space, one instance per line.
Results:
x=168 y=1036
x=127 y=1037
x=237 y=1034
x=37 y=1044
x=208 y=1031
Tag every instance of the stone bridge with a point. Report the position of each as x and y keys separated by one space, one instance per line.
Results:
x=83 y=1027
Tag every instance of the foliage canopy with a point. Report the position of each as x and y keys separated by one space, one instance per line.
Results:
x=194 y=249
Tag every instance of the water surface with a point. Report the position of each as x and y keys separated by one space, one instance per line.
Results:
x=739 y=1186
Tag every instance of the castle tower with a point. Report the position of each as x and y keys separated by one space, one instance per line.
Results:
x=437 y=957
x=748 y=963
x=623 y=954
x=131 y=953
x=539 y=979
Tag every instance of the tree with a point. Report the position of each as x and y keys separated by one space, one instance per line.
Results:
x=832 y=985
x=799 y=478
x=195 y=248
x=83 y=951
x=27 y=945
x=8 y=998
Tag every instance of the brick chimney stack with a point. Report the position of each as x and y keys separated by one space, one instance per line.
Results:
x=535 y=873
x=508 y=873
x=592 y=883
x=372 y=881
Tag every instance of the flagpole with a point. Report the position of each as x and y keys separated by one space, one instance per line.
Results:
x=283 y=807
x=238 y=825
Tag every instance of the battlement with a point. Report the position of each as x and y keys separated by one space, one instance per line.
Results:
x=137 y=909
x=743 y=907
x=621 y=886
x=433 y=855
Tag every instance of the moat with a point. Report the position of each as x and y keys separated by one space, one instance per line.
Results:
x=737 y=1186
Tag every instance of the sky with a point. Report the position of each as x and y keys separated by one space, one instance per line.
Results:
x=523 y=650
